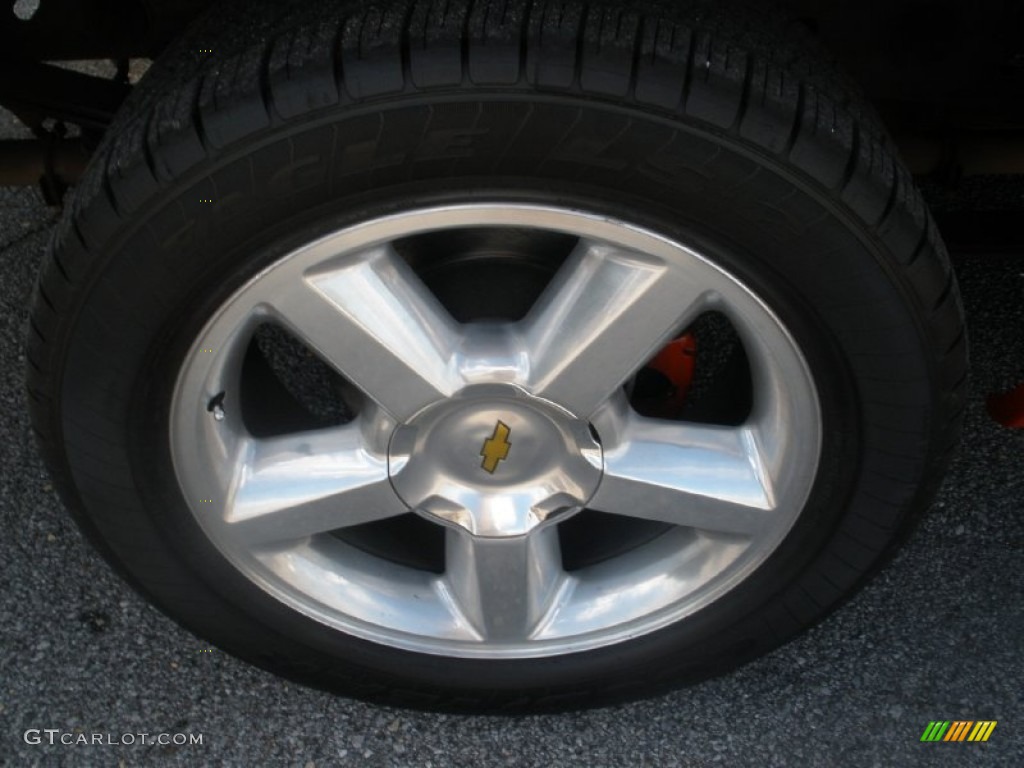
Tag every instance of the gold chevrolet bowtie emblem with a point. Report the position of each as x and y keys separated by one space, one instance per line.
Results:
x=496 y=447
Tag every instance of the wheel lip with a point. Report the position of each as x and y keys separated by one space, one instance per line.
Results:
x=493 y=214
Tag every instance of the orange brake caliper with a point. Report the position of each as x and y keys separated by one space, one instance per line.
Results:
x=675 y=363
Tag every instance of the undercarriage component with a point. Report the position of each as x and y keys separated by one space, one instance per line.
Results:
x=1008 y=408
x=53 y=162
x=35 y=92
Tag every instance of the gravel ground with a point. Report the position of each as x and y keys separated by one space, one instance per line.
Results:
x=936 y=636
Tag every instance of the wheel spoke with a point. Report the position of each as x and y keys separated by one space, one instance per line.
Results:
x=706 y=477
x=606 y=312
x=504 y=586
x=372 y=318
x=288 y=488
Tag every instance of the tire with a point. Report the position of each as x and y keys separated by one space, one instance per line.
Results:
x=490 y=145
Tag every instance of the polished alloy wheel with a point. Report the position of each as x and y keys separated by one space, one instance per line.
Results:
x=500 y=432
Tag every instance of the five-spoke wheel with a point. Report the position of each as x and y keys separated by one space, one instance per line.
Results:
x=498 y=431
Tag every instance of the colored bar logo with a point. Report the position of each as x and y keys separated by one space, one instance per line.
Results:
x=958 y=730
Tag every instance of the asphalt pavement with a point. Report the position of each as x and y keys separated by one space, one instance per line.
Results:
x=938 y=635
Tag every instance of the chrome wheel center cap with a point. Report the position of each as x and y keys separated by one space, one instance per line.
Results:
x=495 y=460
